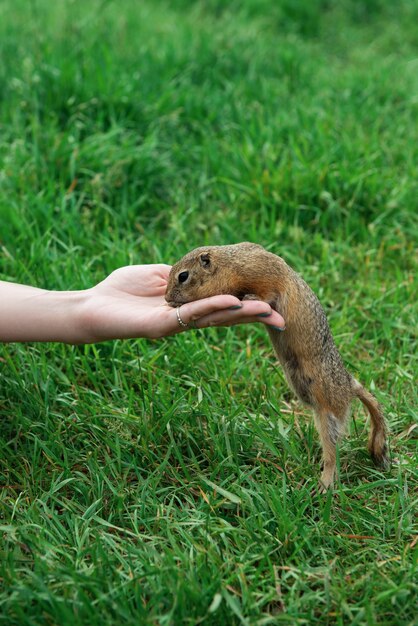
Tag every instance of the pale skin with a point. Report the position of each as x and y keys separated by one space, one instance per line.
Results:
x=129 y=303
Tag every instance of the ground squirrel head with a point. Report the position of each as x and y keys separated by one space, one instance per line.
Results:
x=237 y=270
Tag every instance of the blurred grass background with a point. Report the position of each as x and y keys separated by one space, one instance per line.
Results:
x=170 y=482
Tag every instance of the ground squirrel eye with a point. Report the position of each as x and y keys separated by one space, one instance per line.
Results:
x=183 y=276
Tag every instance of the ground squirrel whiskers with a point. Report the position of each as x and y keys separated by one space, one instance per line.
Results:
x=306 y=350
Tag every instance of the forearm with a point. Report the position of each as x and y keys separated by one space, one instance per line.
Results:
x=31 y=314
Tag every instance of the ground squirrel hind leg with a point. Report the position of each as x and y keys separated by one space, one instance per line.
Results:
x=330 y=428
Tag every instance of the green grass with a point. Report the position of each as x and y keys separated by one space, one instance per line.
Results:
x=169 y=482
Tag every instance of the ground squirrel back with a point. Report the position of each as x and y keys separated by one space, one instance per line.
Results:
x=306 y=349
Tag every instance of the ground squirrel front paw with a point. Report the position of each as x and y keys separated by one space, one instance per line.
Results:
x=250 y=296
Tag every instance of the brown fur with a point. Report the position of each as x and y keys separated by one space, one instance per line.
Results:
x=306 y=349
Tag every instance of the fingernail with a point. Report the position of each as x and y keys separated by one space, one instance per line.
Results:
x=235 y=307
x=278 y=328
x=263 y=314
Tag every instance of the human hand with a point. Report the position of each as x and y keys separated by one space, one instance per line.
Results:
x=130 y=303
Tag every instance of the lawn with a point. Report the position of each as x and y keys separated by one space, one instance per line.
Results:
x=171 y=482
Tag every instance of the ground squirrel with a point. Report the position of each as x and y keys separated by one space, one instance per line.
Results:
x=306 y=349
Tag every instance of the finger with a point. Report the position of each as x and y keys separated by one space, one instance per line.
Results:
x=193 y=311
x=164 y=270
x=225 y=310
x=225 y=303
x=212 y=312
x=249 y=313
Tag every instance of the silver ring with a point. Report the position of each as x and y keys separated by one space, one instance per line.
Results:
x=180 y=321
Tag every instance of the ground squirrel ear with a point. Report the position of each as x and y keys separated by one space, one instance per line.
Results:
x=205 y=260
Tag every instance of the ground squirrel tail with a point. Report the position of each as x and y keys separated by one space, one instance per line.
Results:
x=377 y=439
